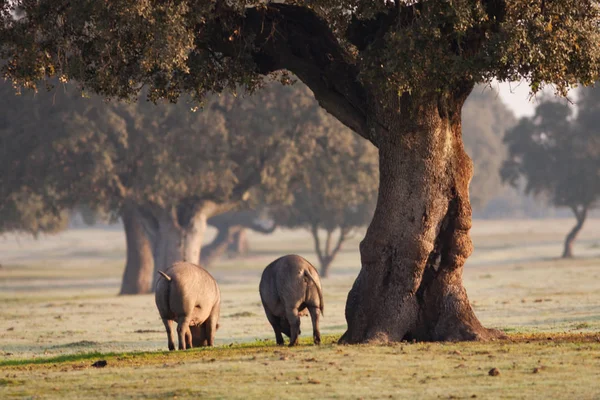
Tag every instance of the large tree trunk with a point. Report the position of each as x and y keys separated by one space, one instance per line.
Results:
x=137 y=278
x=580 y=215
x=410 y=285
x=193 y=235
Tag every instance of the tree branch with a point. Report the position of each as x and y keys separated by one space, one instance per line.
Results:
x=341 y=239
x=297 y=39
x=315 y=233
x=328 y=244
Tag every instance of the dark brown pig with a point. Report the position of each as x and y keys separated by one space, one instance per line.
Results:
x=288 y=286
x=188 y=294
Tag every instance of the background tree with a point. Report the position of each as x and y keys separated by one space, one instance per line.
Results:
x=30 y=202
x=231 y=236
x=56 y=149
x=558 y=155
x=485 y=119
x=334 y=190
x=164 y=169
x=397 y=73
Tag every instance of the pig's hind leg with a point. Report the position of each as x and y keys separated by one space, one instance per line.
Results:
x=169 y=327
x=314 y=316
x=183 y=332
x=211 y=324
x=294 y=320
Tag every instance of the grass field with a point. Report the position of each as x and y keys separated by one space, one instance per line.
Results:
x=60 y=313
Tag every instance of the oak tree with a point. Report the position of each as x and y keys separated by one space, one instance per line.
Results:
x=231 y=233
x=164 y=169
x=333 y=191
x=397 y=73
x=558 y=156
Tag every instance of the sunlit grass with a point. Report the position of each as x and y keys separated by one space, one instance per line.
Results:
x=530 y=366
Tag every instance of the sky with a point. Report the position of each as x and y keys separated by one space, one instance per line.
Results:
x=516 y=96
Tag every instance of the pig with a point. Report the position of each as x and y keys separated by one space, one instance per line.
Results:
x=188 y=294
x=289 y=286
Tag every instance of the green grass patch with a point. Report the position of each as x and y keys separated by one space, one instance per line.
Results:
x=149 y=356
x=10 y=382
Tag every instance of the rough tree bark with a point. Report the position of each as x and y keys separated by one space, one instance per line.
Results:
x=410 y=285
x=327 y=254
x=137 y=278
x=580 y=215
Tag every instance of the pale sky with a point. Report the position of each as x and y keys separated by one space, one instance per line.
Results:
x=516 y=96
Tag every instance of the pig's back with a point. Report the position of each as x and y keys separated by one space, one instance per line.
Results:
x=193 y=290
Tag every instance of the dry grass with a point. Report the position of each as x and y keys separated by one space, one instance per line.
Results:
x=536 y=366
x=58 y=297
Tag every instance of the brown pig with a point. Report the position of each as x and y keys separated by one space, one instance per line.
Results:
x=188 y=294
x=288 y=286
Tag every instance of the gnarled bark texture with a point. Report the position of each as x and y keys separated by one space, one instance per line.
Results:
x=581 y=215
x=410 y=285
x=137 y=278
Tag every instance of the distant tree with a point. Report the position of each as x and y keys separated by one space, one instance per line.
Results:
x=30 y=202
x=24 y=211
x=334 y=190
x=485 y=119
x=231 y=233
x=395 y=72
x=201 y=164
x=164 y=169
x=67 y=157
x=558 y=155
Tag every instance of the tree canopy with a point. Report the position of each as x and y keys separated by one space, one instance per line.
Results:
x=340 y=49
x=558 y=155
